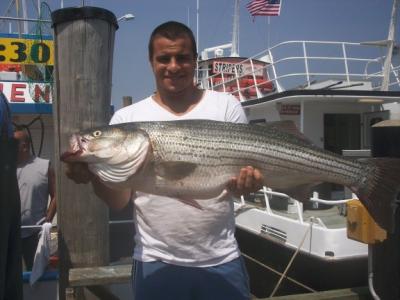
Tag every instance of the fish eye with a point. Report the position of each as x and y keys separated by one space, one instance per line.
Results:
x=97 y=133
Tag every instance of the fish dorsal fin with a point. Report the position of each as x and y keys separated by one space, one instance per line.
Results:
x=174 y=170
x=288 y=127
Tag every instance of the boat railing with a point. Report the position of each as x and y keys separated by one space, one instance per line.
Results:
x=295 y=207
x=305 y=65
x=54 y=225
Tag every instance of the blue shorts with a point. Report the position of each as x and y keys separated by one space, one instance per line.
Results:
x=158 y=280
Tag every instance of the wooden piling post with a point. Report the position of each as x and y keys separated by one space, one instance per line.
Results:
x=126 y=100
x=386 y=255
x=84 y=41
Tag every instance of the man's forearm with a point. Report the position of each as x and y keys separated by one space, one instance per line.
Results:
x=115 y=199
x=51 y=210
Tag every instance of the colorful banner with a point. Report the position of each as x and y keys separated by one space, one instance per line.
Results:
x=27 y=92
x=15 y=50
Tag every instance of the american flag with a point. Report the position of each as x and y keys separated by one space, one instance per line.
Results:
x=264 y=7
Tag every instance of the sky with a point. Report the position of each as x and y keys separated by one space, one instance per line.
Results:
x=340 y=20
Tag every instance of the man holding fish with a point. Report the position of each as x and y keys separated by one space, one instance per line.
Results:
x=183 y=250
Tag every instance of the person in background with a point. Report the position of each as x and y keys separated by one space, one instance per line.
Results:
x=10 y=220
x=36 y=181
x=181 y=252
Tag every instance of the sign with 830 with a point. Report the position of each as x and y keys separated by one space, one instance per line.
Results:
x=26 y=51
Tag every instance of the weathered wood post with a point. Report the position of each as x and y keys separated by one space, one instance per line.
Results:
x=386 y=255
x=126 y=100
x=84 y=41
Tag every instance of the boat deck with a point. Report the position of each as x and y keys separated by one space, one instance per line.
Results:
x=331 y=217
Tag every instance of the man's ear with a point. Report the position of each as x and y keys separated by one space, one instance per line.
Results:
x=25 y=146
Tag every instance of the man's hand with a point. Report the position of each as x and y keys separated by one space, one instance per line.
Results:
x=79 y=172
x=250 y=180
x=115 y=199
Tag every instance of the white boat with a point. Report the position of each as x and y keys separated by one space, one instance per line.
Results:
x=334 y=92
x=306 y=248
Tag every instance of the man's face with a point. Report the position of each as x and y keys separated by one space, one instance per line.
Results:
x=23 y=146
x=173 y=64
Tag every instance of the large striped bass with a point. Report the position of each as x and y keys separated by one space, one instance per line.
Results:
x=194 y=159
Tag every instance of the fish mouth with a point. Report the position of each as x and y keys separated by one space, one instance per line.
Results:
x=77 y=147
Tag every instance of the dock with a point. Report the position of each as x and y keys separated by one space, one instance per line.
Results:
x=343 y=294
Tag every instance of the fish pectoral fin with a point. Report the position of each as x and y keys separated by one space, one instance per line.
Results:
x=301 y=193
x=174 y=170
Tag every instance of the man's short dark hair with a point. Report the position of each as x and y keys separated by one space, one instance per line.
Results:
x=172 y=30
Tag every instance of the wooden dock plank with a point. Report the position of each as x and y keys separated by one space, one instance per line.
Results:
x=100 y=275
x=359 y=293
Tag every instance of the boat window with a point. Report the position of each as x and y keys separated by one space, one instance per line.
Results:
x=342 y=131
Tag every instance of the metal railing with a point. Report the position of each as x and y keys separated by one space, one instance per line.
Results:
x=114 y=222
x=294 y=206
x=302 y=64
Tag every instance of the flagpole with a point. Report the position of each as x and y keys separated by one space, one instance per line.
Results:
x=197 y=41
x=188 y=16
x=265 y=8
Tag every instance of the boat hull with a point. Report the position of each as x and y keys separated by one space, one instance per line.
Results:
x=311 y=271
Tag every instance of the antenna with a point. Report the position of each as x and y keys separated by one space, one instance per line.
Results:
x=197 y=26
x=25 y=16
x=390 y=45
x=235 y=31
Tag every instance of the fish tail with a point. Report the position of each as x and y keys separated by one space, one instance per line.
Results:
x=379 y=189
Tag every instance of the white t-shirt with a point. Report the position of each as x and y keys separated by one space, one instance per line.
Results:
x=34 y=192
x=169 y=230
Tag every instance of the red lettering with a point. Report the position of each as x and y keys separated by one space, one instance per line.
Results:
x=42 y=94
x=15 y=93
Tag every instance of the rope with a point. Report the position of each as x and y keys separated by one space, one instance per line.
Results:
x=26 y=127
x=291 y=261
x=279 y=273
